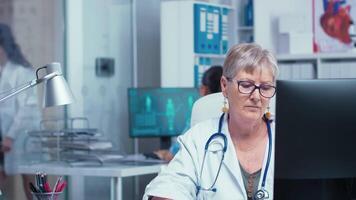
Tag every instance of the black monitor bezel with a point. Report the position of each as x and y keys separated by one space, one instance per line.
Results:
x=298 y=92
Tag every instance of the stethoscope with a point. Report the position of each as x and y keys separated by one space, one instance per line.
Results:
x=260 y=194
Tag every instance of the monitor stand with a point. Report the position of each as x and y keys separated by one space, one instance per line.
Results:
x=165 y=142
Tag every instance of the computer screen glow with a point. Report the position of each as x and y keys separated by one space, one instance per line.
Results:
x=158 y=112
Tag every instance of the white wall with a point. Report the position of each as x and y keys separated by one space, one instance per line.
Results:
x=100 y=29
x=107 y=33
x=266 y=14
x=148 y=42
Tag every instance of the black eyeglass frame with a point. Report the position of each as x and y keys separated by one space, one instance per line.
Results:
x=255 y=87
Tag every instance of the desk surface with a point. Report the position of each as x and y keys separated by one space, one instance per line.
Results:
x=111 y=170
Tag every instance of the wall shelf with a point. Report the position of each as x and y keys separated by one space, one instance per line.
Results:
x=221 y=4
x=324 y=65
x=245 y=28
x=318 y=56
x=296 y=57
x=217 y=56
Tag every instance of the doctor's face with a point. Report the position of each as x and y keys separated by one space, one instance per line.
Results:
x=244 y=104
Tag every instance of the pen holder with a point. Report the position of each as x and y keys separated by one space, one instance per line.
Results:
x=46 y=196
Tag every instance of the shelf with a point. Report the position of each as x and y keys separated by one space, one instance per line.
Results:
x=245 y=28
x=220 y=56
x=320 y=56
x=296 y=57
x=332 y=56
x=221 y=5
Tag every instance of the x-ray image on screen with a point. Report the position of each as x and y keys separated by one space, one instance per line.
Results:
x=158 y=112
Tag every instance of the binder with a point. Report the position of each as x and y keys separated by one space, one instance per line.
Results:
x=199 y=69
x=213 y=30
x=196 y=71
x=210 y=29
x=215 y=41
x=224 y=30
x=200 y=28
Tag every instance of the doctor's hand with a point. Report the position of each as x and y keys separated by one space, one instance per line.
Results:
x=6 y=144
x=158 y=198
x=164 y=155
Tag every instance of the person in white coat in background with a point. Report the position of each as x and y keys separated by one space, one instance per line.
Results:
x=231 y=157
x=18 y=113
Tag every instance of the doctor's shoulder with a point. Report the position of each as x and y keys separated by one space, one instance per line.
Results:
x=201 y=131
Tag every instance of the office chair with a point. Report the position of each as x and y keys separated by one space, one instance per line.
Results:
x=207 y=107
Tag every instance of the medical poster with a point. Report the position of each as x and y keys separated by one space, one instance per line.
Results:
x=334 y=25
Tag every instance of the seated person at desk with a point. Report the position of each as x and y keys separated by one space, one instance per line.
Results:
x=210 y=84
x=230 y=157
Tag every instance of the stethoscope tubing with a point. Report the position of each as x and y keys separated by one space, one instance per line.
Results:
x=269 y=153
x=215 y=135
x=220 y=134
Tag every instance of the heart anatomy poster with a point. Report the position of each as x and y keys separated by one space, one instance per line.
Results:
x=334 y=25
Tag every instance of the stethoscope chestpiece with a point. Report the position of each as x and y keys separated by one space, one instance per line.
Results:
x=261 y=194
x=199 y=188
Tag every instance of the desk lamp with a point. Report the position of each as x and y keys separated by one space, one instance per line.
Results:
x=56 y=91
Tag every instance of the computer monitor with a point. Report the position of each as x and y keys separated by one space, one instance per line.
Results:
x=160 y=112
x=315 y=154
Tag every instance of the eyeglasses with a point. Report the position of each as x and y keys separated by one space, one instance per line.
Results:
x=248 y=87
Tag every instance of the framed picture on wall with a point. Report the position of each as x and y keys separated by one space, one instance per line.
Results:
x=334 y=25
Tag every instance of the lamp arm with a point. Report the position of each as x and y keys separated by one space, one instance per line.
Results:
x=30 y=84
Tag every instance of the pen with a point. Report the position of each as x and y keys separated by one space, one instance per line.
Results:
x=38 y=182
x=59 y=186
x=42 y=182
x=47 y=187
x=44 y=177
x=37 y=179
x=33 y=188
x=62 y=186
x=55 y=188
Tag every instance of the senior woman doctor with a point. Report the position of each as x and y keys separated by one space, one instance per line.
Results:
x=201 y=169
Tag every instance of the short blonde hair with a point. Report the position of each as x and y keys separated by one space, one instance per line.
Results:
x=248 y=57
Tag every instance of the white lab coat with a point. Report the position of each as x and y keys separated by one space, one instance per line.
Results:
x=178 y=180
x=19 y=113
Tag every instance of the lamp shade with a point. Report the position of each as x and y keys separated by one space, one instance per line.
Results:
x=56 y=90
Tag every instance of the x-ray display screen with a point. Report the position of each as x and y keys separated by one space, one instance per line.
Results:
x=157 y=112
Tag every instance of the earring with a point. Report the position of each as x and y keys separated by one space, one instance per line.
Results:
x=225 y=108
x=268 y=114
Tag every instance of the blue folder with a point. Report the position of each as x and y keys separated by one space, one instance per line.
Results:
x=200 y=28
x=224 y=30
x=214 y=42
x=199 y=69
